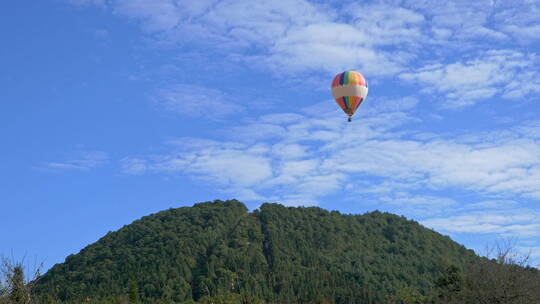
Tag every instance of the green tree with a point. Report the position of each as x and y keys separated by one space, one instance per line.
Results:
x=276 y=254
x=506 y=278
x=15 y=288
x=133 y=293
x=449 y=286
x=407 y=295
x=227 y=298
x=19 y=293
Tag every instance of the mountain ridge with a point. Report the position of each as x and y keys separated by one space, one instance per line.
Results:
x=275 y=254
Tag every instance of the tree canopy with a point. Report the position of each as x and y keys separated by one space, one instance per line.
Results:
x=218 y=252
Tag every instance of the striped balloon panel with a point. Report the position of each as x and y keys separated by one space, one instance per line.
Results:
x=347 y=78
x=349 y=104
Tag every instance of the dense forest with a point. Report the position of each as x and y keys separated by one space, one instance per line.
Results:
x=218 y=252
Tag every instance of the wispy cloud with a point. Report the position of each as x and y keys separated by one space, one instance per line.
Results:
x=419 y=205
x=459 y=20
x=312 y=156
x=196 y=100
x=519 y=19
x=499 y=219
x=290 y=35
x=522 y=223
x=480 y=23
x=381 y=39
x=493 y=74
x=81 y=161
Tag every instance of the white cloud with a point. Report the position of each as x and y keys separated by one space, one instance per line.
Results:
x=262 y=22
x=330 y=47
x=298 y=168
x=387 y=25
x=289 y=151
x=82 y=161
x=519 y=19
x=331 y=44
x=197 y=101
x=494 y=73
x=503 y=219
x=289 y=35
x=487 y=20
x=408 y=200
x=526 y=33
x=231 y=167
x=379 y=38
x=319 y=185
x=398 y=198
x=133 y=165
x=281 y=118
x=380 y=105
x=315 y=156
x=521 y=223
x=157 y=15
x=237 y=168
x=491 y=204
x=460 y=20
x=231 y=22
x=257 y=131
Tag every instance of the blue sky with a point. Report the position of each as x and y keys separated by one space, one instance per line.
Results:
x=114 y=109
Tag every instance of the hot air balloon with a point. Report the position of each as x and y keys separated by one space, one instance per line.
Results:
x=349 y=89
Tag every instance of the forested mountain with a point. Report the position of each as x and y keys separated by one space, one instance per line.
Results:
x=275 y=254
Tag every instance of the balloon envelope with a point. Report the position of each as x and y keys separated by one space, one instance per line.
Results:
x=349 y=89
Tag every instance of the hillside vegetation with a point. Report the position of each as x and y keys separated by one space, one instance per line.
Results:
x=217 y=252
